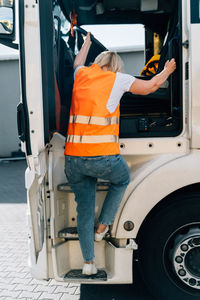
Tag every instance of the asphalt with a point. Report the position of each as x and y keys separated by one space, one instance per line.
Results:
x=15 y=279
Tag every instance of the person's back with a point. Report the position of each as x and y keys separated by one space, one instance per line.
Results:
x=93 y=129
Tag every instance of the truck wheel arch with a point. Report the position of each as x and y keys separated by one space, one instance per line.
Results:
x=171 y=178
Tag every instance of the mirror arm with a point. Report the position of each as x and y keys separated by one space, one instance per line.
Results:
x=6 y=27
x=9 y=44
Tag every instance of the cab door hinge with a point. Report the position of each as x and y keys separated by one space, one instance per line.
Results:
x=185 y=44
x=48 y=146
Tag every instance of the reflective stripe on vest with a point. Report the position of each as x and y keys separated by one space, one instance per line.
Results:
x=94 y=120
x=92 y=139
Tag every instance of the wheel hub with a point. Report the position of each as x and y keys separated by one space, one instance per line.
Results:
x=192 y=261
x=186 y=261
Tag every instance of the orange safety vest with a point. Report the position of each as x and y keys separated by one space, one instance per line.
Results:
x=92 y=129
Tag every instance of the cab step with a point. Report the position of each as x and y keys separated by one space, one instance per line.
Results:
x=68 y=233
x=76 y=275
x=101 y=186
x=72 y=233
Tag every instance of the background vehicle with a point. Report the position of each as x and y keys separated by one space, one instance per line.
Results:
x=159 y=138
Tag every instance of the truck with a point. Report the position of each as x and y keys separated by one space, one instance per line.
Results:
x=157 y=227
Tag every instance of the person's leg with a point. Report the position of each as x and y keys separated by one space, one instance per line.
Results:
x=85 y=198
x=84 y=188
x=119 y=179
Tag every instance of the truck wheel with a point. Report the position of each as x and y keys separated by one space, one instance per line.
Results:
x=169 y=249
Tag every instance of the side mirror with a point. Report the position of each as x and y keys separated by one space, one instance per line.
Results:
x=7 y=20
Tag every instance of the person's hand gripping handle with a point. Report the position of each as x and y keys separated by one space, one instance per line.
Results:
x=82 y=55
x=170 y=66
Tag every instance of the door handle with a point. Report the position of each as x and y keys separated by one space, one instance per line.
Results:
x=21 y=122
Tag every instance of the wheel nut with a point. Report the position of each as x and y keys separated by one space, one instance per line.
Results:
x=184 y=247
x=182 y=272
x=192 y=281
x=196 y=241
x=179 y=259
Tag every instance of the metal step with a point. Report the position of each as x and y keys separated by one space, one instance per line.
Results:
x=68 y=233
x=76 y=275
x=101 y=186
x=72 y=233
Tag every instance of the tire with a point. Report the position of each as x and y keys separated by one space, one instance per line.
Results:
x=169 y=249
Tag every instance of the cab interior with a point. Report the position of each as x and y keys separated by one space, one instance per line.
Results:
x=155 y=115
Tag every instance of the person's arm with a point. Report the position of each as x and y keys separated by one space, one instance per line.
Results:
x=145 y=87
x=82 y=55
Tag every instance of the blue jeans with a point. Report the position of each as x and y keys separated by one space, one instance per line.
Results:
x=82 y=174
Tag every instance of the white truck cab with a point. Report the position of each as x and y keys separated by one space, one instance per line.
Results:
x=158 y=224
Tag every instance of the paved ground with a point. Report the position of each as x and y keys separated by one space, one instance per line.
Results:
x=15 y=280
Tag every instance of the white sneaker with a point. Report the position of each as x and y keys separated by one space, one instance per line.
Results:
x=99 y=236
x=89 y=269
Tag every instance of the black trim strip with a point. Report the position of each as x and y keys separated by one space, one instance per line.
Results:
x=180 y=25
x=23 y=77
x=66 y=14
x=47 y=63
x=93 y=39
x=9 y=44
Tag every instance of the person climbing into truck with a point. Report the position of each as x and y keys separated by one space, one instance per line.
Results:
x=92 y=143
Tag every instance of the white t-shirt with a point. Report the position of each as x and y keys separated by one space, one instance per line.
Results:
x=121 y=85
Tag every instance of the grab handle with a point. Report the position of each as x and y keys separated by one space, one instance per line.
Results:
x=21 y=122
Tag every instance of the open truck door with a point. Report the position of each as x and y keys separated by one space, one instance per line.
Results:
x=37 y=121
x=36 y=124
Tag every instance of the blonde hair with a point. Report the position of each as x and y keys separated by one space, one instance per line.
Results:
x=111 y=60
